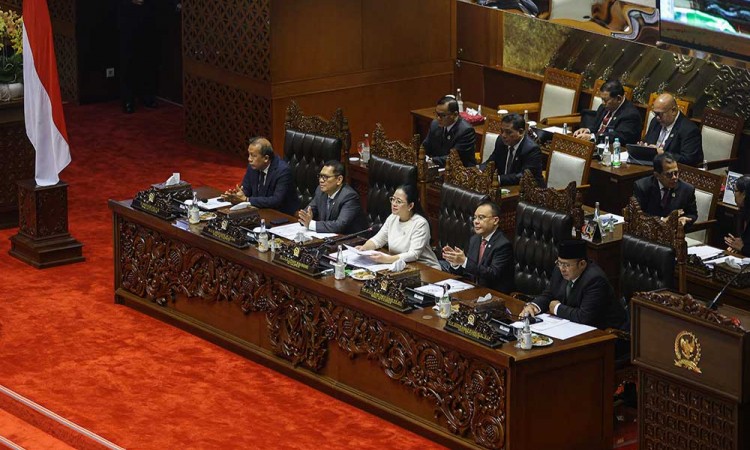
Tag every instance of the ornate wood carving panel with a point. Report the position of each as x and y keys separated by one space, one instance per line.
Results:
x=208 y=121
x=43 y=212
x=17 y=161
x=676 y=417
x=394 y=150
x=468 y=393
x=67 y=66
x=566 y=201
x=234 y=35
x=654 y=229
x=337 y=127
x=471 y=178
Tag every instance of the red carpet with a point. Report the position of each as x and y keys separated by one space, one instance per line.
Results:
x=131 y=379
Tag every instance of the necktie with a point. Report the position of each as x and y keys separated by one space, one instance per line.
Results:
x=329 y=207
x=482 y=246
x=605 y=122
x=261 y=180
x=664 y=198
x=662 y=137
x=568 y=288
x=509 y=162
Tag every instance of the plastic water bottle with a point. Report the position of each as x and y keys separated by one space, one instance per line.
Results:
x=565 y=129
x=597 y=217
x=194 y=213
x=459 y=100
x=616 y=153
x=526 y=342
x=526 y=116
x=606 y=155
x=263 y=237
x=704 y=166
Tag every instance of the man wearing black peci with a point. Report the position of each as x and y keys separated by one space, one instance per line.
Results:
x=335 y=207
x=616 y=117
x=664 y=192
x=489 y=258
x=449 y=131
x=579 y=291
x=515 y=152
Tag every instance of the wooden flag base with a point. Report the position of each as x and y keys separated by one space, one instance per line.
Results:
x=43 y=239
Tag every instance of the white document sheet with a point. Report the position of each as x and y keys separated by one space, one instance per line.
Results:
x=704 y=251
x=556 y=327
x=608 y=217
x=290 y=230
x=355 y=258
x=436 y=288
x=557 y=130
x=213 y=203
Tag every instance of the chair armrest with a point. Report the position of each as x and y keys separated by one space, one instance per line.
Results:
x=520 y=107
x=573 y=119
x=721 y=163
x=624 y=335
x=705 y=225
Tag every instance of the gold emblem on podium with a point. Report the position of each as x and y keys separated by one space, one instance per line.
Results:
x=687 y=351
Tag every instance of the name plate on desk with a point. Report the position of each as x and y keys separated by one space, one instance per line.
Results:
x=300 y=258
x=386 y=291
x=476 y=326
x=231 y=230
x=159 y=200
x=696 y=266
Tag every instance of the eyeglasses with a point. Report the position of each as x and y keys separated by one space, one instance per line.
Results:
x=396 y=200
x=443 y=115
x=659 y=113
x=324 y=177
x=565 y=265
x=480 y=218
x=672 y=174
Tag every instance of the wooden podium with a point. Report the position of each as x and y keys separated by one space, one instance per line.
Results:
x=693 y=372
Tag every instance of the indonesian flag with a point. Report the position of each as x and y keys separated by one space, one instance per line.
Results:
x=43 y=111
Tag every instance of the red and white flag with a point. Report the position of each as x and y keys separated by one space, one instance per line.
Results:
x=43 y=111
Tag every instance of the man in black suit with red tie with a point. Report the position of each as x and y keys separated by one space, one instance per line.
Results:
x=515 y=152
x=616 y=117
x=664 y=192
x=449 y=131
x=489 y=258
x=672 y=132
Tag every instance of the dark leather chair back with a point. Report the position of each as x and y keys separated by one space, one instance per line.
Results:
x=646 y=266
x=457 y=206
x=538 y=231
x=306 y=153
x=384 y=176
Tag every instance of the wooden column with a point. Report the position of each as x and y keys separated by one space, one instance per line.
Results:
x=43 y=239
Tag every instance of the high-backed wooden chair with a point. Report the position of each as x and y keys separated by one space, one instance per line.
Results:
x=491 y=135
x=310 y=141
x=720 y=134
x=652 y=250
x=392 y=163
x=544 y=217
x=682 y=105
x=559 y=96
x=569 y=160
x=464 y=188
x=586 y=116
x=707 y=193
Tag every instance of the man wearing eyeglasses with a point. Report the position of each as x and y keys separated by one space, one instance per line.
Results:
x=489 y=258
x=579 y=291
x=449 y=131
x=664 y=192
x=515 y=152
x=335 y=207
x=670 y=131
x=616 y=117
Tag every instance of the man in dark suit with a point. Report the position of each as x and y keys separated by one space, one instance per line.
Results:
x=335 y=207
x=672 y=132
x=579 y=291
x=448 y=131
x=489 y=259
x=664 y=192
x=267 y=182
x=616 y=117
x=515 y=152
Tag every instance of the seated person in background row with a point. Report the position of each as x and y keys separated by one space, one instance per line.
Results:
x=267 y=182
x=579 y=291
x=448 y=131
x=515 y=152
x=616 y=117
x=741 y=245
x=489 y=259
x=664 y=192
x=335 y=207
x=672 y=132
x=406 y=231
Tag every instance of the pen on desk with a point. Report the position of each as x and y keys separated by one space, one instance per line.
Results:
x=720 y=255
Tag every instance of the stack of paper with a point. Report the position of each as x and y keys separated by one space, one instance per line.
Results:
x=556 y=327
x=213 y=203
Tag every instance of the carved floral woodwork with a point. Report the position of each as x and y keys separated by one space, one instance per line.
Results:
x=572 y=146
x=468 y=393
x=667 y=232
x=42 y=211
x=471 y=178
x=563 y=78
x=394 y=150
x=336 y=128
x=566 y=201
x=730 y=91
x=724 y=122
x=687 y=304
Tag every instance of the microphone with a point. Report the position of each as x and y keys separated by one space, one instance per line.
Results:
x=715 y=302
x=330 y=241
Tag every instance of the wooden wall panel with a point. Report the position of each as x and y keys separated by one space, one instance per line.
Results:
x=315 y=38
x=397 y=32
x=478 y=34
x=387 y=103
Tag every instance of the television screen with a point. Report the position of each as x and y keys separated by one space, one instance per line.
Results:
x=717 y=26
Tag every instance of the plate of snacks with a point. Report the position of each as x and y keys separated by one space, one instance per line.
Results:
x=207 y=216
x=362 y=275
x=538 y=340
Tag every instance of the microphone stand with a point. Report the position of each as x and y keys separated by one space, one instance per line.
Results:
x=714 y=304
